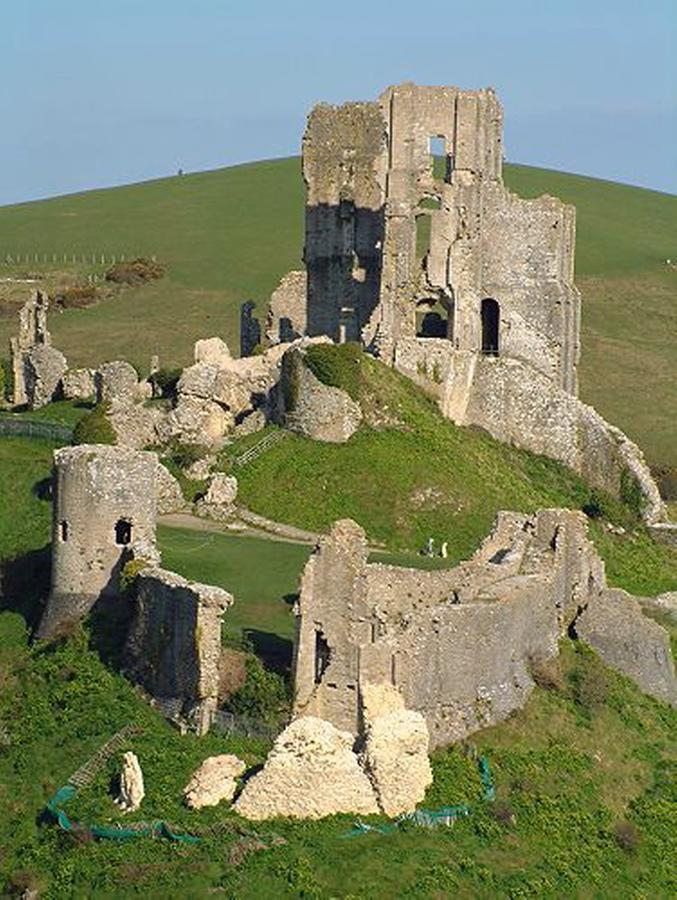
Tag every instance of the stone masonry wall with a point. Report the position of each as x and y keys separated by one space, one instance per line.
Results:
x=458 y=643
x=104 y=508
x=174 y=645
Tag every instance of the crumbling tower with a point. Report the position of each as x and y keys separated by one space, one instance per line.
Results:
x=104 y=509
x=411 y=234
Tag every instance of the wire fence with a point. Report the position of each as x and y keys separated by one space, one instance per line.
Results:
x=12 y=426
x=91 y=258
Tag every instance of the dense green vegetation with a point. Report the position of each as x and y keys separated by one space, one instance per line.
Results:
x=585 y=796
x=229 y=235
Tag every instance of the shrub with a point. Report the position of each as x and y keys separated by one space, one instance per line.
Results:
x=6 y=379
x=95 y=427
x=263 y=696
x=631 y=493
x=547 y=673
x=136 y=271
x=76 y=296
x=184 y=455
x=165 y=381
x=590 y=685
x=337 y=366
x=594 y=506
x=627 y=836
x=129 y=574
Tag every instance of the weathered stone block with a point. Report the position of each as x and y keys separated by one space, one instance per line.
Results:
x=311 y=772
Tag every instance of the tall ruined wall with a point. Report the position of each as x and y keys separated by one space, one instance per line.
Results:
x=393 y=235
x=174 y=644
x=458 y=644
x=104 y=506
x=344 y=162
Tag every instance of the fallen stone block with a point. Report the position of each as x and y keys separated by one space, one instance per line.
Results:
x=311 y=772
x=214 y=781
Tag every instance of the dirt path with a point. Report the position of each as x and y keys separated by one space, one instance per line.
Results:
x=237 y=527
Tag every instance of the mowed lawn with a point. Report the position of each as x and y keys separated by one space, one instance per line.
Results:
x=228 y=235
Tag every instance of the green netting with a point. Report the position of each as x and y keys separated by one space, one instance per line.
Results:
x=432 y=818
x=157 y=829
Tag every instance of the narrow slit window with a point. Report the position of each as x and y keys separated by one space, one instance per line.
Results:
x=63 y=530
x=322 y=656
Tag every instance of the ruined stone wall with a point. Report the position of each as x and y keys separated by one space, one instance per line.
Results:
x=104 y=507
x=287 y=315
x=37 y=367
x=372 y=185
x=458 y=643
x=174 y=644
x=344 y=162
x=518 y=404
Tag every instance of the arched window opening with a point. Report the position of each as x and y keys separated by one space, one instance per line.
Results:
x=491 y=315
x=123 y=532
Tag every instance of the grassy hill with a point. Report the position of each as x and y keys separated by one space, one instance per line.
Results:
x=228 y=235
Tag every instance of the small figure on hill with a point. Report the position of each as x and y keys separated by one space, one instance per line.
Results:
x=444 y=549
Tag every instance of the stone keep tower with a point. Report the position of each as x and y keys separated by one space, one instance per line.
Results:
x=104 y=508
x=411 y=234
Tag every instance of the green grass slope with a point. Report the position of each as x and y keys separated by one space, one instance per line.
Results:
x=585 y=794
x=228 y=235
x=424 y=476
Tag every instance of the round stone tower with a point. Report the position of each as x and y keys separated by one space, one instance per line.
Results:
x=104 y=509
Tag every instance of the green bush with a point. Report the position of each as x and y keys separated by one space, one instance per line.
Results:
x=6 y=379
x=76 y=296
x=337 y=366
x=263 y=696
x=166 y=380
x=129 y=574
x=594 y=506
x=95 y=427
x=631 y=493
x=184 y=455
x=589 y=683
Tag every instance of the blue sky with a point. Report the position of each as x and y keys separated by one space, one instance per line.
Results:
x=102 y=92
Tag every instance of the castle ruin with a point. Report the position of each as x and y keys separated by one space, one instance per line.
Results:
x=415 y=248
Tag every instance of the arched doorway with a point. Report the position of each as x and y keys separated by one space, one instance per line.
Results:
x=491 y=319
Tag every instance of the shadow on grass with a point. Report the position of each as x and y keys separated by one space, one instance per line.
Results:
x=274 y=651
x=24 y=584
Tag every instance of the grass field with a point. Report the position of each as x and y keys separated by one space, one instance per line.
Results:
x=228 y=235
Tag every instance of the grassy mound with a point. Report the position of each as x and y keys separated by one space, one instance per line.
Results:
x=413 y=474
x=229 y=235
